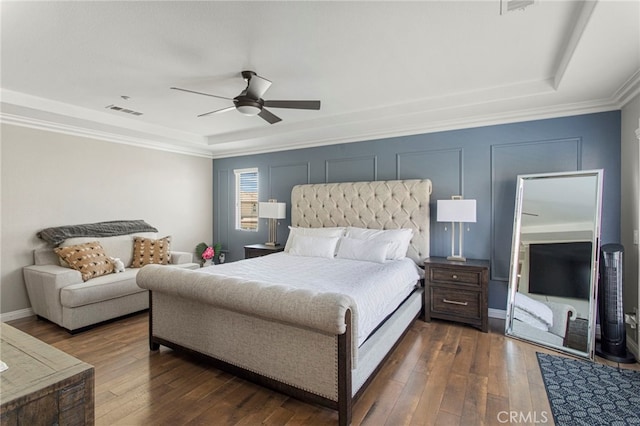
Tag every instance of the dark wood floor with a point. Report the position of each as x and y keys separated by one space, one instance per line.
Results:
x=440 y=374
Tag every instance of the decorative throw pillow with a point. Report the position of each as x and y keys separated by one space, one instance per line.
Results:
x=147 y=251
x=88 y=258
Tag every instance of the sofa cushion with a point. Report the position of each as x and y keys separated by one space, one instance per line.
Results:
x=147 y=251
x=100 y=289
x=106 y=287
x=120 y=246
x=88 y=258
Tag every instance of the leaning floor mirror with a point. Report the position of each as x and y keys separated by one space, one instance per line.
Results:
x=554 y=261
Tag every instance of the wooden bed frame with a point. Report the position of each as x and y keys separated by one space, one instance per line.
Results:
x=310 y=355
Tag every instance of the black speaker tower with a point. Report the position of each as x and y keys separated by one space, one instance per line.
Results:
x=613 y=337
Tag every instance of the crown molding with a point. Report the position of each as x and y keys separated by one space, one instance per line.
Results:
x=628 y=90
x=542 y=113
x=48 y=110
x=147 y=143
x=357 y=129
x=572 y=40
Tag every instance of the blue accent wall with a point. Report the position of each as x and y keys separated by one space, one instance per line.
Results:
x=480 y=163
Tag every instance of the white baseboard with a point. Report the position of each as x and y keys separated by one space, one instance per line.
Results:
x=22 y=313
x=497 y=313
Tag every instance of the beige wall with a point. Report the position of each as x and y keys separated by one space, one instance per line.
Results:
x=630 y=204
x=52 y=179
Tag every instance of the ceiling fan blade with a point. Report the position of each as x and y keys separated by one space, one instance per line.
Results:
x=200 y=93
x=293 y=104
x=269 y=117
x=257 y=86
x=217 y=111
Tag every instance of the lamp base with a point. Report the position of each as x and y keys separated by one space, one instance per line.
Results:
x=271 y=244
x=457 y=258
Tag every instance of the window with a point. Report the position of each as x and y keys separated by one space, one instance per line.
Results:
x=247 y=199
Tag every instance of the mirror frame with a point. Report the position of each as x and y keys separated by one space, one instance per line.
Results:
x=515 y=260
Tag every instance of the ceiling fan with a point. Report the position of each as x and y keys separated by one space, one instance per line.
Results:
x=250 y=102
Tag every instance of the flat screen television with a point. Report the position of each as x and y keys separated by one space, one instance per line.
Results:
x=560 y=269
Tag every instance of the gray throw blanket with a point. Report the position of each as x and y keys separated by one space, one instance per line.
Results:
x=58 y=234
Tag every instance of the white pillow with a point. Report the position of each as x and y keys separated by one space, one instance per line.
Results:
x=399 y=238
x=370 y=251
x=306 y=245
x=314 y=232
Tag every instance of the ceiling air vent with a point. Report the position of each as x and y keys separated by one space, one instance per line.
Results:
x=511 y=5
x=121 y=109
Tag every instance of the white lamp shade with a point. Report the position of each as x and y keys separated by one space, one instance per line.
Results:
x=272 y=210
x=456 y=211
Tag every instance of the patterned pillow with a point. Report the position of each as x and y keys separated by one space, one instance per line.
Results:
x=147 y=251
x=88 y=258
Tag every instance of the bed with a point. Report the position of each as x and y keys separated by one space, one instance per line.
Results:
x=305 y=341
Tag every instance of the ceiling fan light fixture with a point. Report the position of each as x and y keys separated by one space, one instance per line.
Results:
x=248 y=106
x=250 y=103
x=248 y=109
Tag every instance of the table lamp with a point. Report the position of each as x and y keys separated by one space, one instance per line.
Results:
x=456 y=210
x=273 y=211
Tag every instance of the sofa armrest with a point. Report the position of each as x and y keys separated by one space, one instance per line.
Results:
x=179 y=257
x=43 y=284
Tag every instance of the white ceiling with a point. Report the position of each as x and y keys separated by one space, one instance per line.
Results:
x=380 y=68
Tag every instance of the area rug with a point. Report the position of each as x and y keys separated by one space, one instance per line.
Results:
x=587 y=393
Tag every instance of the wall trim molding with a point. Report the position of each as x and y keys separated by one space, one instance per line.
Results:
x=374 y=164
x=496 y=200
x=14 y=315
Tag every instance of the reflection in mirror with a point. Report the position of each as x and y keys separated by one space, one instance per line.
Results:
x=553 y=278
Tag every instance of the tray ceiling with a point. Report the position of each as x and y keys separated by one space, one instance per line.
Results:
x=380 y=68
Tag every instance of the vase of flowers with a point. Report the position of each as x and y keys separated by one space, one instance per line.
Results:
x=207 y=253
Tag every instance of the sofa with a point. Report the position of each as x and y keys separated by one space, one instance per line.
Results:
x=75 y=301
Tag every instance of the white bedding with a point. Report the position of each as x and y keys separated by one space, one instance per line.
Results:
x=376 y=288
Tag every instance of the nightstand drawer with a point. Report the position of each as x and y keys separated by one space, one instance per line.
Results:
x=456 y=302
x=445 y=275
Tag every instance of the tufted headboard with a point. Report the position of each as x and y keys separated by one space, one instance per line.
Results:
x=390 y=204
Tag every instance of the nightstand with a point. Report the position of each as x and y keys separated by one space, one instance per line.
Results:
x=257 y=250
x=457 y=291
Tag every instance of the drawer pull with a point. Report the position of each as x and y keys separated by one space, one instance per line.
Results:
x=455 y=277
x=453 y=302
